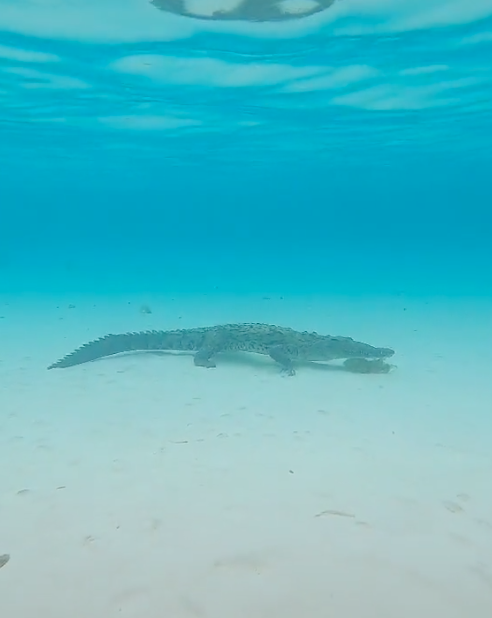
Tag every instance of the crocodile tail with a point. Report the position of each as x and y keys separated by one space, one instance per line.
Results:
x=110 y=345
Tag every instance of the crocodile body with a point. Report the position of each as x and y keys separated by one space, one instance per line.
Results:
x=283 y=345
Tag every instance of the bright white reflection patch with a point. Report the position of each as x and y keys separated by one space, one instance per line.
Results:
x=24 y=55
x=298 y=7
x=207 y=8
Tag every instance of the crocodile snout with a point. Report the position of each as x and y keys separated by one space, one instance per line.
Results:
x=385 y=352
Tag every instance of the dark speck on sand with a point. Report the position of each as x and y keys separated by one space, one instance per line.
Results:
x=4 y=558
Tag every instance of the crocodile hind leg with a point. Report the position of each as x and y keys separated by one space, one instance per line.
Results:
x=210 y=346
x=280 y=356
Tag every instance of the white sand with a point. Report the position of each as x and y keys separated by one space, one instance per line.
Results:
x=142 y=486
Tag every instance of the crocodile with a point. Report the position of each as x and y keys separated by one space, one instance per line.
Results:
x=284 y=345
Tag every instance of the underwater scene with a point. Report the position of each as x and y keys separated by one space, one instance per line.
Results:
x=246 y=308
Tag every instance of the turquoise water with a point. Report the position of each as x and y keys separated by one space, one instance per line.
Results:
x=328 y=173
x=286 y=151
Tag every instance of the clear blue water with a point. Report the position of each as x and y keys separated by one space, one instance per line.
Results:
x=341 y=152
x=330 y=173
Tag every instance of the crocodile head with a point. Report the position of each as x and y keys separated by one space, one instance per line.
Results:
x=355 y=349
x=331 y=348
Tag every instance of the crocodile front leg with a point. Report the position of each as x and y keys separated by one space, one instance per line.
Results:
x=203 y=358
x=280 y=356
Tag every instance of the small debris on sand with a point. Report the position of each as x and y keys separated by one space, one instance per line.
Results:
x=4 y=558
x=335 y=513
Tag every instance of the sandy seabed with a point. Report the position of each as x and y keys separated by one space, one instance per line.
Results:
x=141 y=485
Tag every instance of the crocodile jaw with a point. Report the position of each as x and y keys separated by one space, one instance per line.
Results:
x=371 y=352
x=349 y=349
